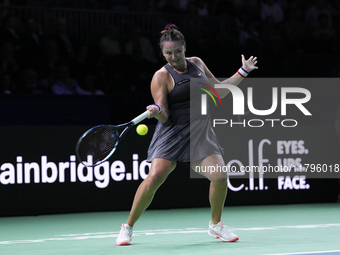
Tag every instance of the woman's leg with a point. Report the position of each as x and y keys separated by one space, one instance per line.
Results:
x=159 y=171
x=211 y=167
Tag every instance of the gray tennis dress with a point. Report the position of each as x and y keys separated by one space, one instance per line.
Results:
x=186 y=135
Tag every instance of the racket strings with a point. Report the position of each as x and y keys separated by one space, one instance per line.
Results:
x=98 y=144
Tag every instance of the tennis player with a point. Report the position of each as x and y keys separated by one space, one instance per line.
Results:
x=170 y=89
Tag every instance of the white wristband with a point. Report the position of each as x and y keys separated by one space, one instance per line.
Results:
x=242 y=72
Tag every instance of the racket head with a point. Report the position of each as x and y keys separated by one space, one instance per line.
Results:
x=97 y=144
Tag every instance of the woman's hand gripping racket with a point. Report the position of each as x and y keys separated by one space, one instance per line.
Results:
x=97 y=144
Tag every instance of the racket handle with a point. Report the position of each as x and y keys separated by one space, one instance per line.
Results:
x=140 y=117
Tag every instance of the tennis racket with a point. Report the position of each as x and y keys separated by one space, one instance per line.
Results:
x=97 y=144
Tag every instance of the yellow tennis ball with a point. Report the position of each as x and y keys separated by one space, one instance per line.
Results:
x=142 y=129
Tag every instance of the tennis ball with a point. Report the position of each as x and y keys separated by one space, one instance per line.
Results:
x=142 y=129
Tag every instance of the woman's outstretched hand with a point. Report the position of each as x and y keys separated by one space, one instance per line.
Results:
x=249 y=64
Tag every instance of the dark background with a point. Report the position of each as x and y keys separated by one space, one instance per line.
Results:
x=292 y=39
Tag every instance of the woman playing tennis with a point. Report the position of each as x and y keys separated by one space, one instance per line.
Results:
x=170 y=89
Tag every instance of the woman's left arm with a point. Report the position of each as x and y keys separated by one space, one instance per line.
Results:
x=247 y=66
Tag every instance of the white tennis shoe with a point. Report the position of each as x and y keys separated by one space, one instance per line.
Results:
x=125 y=235
x=222 y=232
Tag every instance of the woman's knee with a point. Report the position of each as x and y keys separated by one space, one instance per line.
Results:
x=220 y=181
x=155 y=180
x=158 y=174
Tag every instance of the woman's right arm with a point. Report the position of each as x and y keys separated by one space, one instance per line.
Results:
x=159 y=91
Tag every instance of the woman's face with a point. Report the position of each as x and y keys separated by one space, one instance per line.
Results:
x=174 y=53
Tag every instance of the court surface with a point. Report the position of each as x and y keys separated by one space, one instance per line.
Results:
x=277 y=229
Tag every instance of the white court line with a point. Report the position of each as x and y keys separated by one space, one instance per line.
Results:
x=85 y=236
x=312 y=252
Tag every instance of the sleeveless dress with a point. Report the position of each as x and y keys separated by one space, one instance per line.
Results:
x=186 y=135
